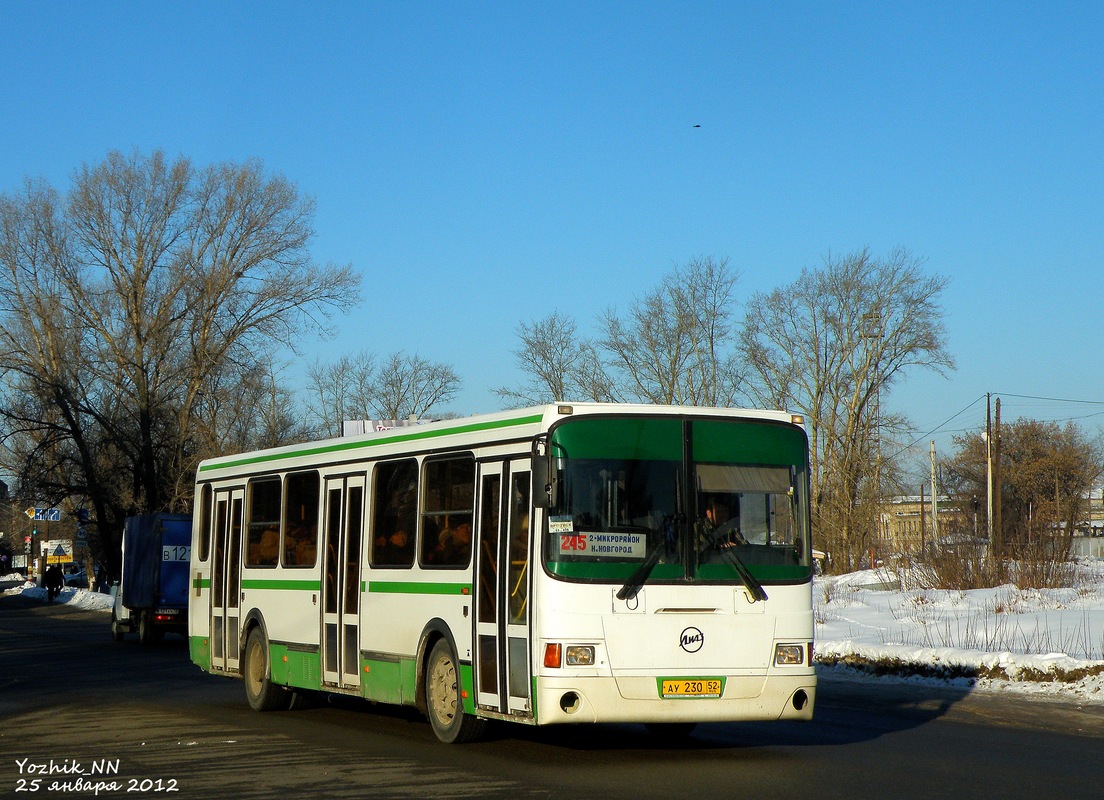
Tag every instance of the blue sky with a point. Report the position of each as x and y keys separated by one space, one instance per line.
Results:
x=485 y=163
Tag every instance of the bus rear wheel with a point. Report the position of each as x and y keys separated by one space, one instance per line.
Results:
x=262 y=693
x=444 y=707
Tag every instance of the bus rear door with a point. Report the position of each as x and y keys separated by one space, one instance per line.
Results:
x=341 y=581
x=226 y=580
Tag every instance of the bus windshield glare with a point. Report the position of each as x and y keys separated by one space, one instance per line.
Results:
x=677 y=500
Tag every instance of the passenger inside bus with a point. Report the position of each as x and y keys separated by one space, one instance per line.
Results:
x=396 y=550
x=300 y=545
x=454 y=545
x=264 y=549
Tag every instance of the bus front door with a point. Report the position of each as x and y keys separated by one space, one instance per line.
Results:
x=341 y=581
x=502 y=589
x=226 y=580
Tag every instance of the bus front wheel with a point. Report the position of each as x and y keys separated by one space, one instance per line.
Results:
x=262 y=693
x=444 y=707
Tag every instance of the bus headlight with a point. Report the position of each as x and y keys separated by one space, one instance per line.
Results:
x=579 y=655
x=569 y=655
x=789 y=655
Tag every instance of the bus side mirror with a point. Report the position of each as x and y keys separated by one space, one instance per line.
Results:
x=544 y=483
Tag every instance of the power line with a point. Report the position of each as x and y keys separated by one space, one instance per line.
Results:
x=1050 y=399
x=938 y=427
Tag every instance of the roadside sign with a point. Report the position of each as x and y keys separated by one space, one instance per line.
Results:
x=59 y=553
x=44 y=514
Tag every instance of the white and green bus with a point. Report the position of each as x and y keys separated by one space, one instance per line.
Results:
x=558 y=564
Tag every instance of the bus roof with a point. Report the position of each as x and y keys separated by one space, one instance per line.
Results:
x=480 y=429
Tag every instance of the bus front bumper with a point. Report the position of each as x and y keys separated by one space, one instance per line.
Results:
x=568 y=699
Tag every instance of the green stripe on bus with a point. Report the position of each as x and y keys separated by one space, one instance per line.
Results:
x=414 y=587
x=411 y=436
x=201 y=583
x=273 y=583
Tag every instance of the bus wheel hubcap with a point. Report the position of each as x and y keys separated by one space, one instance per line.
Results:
x=443 y=690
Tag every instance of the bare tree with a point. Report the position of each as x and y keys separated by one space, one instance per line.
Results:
x=831 y=345
x=678 y=344
x=266 y=414
x=408 y=386
x=341 y=390
x=354 y=387
x=134 y=315
x=557 y=364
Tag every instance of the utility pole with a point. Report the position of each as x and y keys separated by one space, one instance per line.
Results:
x=997 y=532
x=1058 y=504
x=989 y=468
x=923 y=523
x=935 y=497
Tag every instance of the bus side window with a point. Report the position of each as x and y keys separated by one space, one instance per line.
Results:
x=394 y=513
x=205 y=522
x=448 y=505
x=262 y=547
x=516 y=579
x=301 y=519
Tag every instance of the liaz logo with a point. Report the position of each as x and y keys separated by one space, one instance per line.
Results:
x=691 y=640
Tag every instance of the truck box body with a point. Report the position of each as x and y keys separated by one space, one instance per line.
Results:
x=154 y=583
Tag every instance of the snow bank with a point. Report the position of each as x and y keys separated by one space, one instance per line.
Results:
x=1046 y=641
x=80 y=598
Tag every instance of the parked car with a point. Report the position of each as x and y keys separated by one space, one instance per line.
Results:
x=76 y=579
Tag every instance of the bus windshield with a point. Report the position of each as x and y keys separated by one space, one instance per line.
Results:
x=673 y=499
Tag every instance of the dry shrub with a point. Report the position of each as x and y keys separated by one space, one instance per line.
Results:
x=1044 y=564
x=1035 y=565
x=959 y=568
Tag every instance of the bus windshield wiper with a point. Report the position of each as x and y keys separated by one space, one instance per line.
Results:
x=750 y=581
x=636 y=581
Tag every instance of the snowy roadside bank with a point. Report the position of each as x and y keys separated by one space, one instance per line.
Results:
x=1036 y=642
x=78 y=598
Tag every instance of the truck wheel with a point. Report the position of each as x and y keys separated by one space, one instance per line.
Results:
x=117 y=630
x=145 y=628
x=442 y=696
x=262 y=693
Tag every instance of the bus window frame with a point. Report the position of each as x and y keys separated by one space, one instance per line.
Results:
x=255 y=530
x=427 y=548
x=377 y=540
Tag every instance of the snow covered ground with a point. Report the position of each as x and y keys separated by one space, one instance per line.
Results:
x=1046 y=641
x=1043 y=642
x=79 y=598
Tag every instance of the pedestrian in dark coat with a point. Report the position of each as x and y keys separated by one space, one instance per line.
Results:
x=53 y=580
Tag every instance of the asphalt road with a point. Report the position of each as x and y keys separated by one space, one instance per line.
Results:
x=158 y=727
